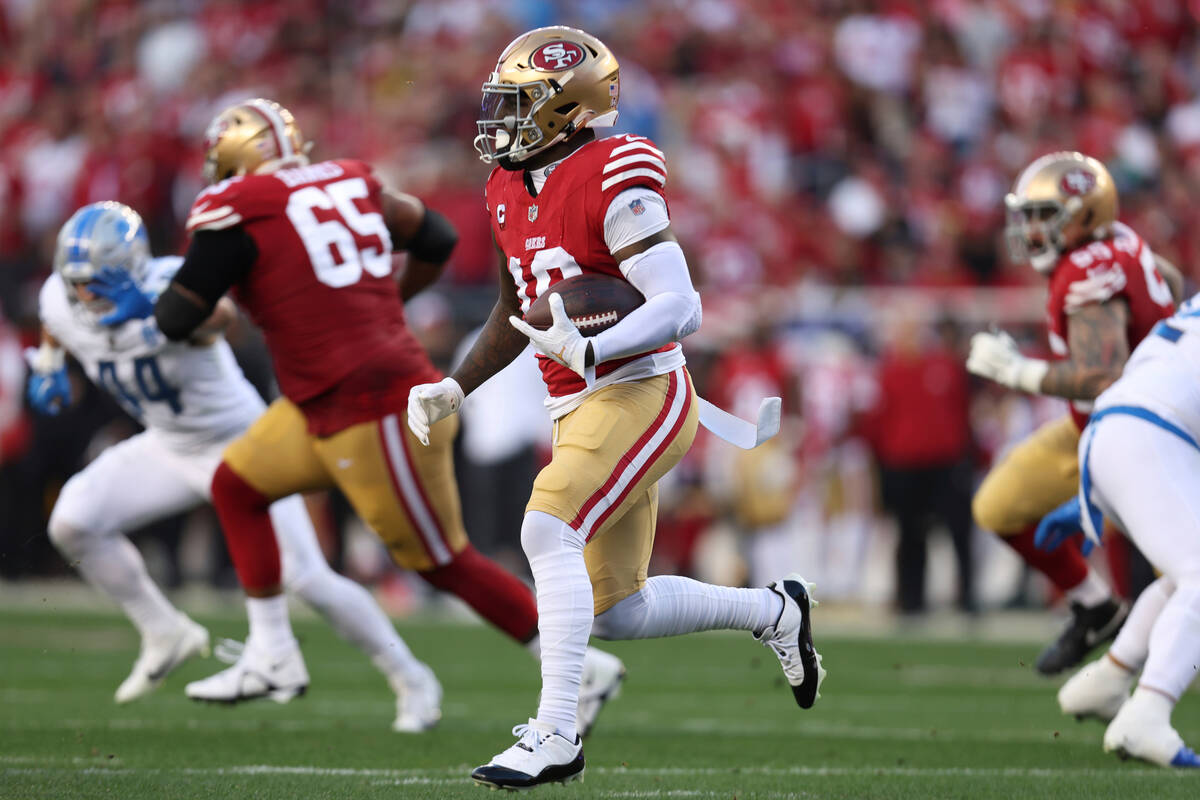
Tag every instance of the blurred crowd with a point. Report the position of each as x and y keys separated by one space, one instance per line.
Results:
x=837 y=171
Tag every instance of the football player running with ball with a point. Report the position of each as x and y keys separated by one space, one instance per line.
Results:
x=193 y=400
x=565 y=203
x=307 y=250
x=1107 y=290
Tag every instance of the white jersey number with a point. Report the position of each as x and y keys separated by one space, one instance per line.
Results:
x=548 y=267
x=322 y=238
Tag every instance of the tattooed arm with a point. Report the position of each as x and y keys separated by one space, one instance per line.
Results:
x=499 y=342
x=1099 y=349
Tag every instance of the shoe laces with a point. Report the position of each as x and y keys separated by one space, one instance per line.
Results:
x=529 y=737
x=228 y=651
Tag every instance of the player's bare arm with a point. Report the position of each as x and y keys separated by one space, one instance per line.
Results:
x=1099 y=349
x=1172 y=276
x=424 y=233
x=498 y=343
x=223 y=315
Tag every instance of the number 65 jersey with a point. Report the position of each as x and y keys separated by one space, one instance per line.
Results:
x=193 y=396
x=322 y=289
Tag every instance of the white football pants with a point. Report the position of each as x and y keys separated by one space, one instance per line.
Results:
x=142 y=479
x=1148 y=480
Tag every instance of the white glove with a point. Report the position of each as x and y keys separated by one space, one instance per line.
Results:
x=562 y=341
x=995 y=356
x=431 y=402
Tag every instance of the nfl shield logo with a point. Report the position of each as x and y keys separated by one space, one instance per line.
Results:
x=637 y=207
x=532 y=213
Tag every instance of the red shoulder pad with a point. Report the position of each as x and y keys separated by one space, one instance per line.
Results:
x=234 y=201
x=629 y=161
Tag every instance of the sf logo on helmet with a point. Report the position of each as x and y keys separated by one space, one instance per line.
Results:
x=557 y=56
x=1078 y=181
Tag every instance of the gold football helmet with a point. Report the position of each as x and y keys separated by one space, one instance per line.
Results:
x=549 y=84
x=1059 y=202
x=244 y=138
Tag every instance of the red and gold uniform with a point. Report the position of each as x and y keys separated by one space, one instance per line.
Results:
x=614 y=440
x=323 y=292
x=1042 y=472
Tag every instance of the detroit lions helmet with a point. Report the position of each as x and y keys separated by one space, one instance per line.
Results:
x=107 y=234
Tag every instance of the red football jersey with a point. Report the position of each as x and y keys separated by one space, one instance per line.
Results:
x=322 y=288
x=560 y=233
x=1120 y=266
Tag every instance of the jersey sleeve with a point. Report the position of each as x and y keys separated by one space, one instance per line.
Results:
x=630 y=162
x=1087 y=280
x=235 y=201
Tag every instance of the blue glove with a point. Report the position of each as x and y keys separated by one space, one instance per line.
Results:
x=49 y=393
x=129 y=301
x=1061 y=524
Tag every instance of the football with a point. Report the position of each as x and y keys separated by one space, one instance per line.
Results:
x=593 y=302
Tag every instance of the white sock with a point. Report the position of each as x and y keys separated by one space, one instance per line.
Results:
x=669 y=605
x=1153 y=704
x=1133 y=642
x=111 y=563
x=270 y=628
x=353 y=613
x=564 y=602
x=1091 y=591
x=1175 y=642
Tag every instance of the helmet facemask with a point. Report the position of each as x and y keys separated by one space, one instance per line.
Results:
x=508 y=129
x=1034 y=231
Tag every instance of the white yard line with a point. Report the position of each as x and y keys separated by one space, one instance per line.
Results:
x=452 y=775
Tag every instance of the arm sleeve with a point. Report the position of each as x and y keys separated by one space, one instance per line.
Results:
x=671 y=311
x=215 y=261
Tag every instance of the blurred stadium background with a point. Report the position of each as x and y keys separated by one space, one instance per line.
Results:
x=837 y=176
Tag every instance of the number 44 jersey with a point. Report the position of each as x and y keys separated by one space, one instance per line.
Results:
x=322 y=288
x=192 y=395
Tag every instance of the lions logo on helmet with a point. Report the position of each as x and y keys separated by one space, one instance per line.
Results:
x=1060 y=201
x=98 y=236
x=548 y=85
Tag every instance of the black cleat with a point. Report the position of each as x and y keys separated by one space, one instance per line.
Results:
x=790 y=638
x=1089 y=627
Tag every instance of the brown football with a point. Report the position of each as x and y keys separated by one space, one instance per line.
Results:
x=593 y=302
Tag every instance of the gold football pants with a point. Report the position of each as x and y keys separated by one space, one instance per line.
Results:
x=405 y=491
x=609 y=454
x=1038 y=475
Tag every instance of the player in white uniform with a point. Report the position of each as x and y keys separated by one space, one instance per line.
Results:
x=193 y=400
x=1139 y=463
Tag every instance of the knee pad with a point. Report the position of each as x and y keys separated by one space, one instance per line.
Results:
x=622 y=621
x=542 y=533
x=68 y=539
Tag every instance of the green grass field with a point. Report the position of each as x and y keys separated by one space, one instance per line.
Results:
x=701 y=717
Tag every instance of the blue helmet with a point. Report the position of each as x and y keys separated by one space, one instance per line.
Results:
x=99 y=235
x=107 y=234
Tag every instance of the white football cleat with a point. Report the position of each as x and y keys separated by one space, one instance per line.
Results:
x=418 y=702
x=1140 y=730
x=790 y=638
x=279 y=676
x=1097 y=691
x=602 y=676
x=160 y=655
x=541 y=755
